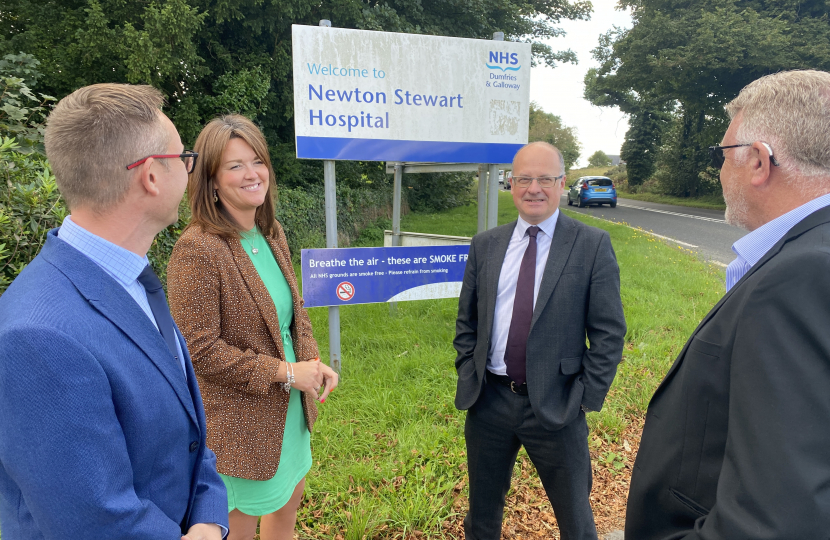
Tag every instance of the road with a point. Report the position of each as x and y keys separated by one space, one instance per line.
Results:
x=699 y=229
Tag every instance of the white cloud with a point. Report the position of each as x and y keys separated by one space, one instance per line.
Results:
x=559 y=91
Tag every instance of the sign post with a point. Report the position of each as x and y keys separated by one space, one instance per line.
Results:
x=331 y=242
x=482 y=198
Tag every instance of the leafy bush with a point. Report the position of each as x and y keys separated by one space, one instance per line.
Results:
x=618 y=174
x=433 y=192
x=303 y=216
x=372 y=234
x=30 y=206
x=22 y=113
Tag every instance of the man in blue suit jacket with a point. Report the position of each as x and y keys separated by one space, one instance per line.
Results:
x=103 y=432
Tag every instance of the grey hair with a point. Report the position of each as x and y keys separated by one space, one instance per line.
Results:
x=789 y=110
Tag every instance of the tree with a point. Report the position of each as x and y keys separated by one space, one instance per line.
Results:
x=215 y=56
x=690 y=58
x=548 y=127
x=599 y=159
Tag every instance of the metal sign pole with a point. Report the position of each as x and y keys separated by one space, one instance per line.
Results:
x=482 y=198
x=493 y=197
x=331 y=242
x=396 y=205
x=493 y=188
x=396 y=218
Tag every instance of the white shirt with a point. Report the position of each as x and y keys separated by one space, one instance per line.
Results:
x=752 y=247
x=508 y=279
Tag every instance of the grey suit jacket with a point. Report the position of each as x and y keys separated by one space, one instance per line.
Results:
x=737 y=436
x=579 y=297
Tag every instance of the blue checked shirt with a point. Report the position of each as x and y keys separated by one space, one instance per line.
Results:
x=122 y=265
x=752 y=247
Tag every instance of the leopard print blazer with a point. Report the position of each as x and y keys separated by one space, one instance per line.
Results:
x=230 y=324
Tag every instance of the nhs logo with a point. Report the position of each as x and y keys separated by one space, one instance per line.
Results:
x=508 y=61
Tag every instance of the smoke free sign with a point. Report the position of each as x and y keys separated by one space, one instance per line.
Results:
x=382 y=96
x=334 y=277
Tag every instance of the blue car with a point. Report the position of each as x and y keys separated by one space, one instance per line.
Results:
x=596 y=190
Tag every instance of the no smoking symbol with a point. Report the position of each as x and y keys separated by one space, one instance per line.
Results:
x=345 y=291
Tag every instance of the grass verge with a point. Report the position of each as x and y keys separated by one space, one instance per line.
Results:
x=389 y=454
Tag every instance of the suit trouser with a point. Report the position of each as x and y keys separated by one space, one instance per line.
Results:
x=497 y=425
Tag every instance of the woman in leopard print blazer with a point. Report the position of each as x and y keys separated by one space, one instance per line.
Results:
x=234 y=295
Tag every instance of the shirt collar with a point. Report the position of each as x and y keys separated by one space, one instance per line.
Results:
x=547 y=226
x=752 y=247
x=120 y=263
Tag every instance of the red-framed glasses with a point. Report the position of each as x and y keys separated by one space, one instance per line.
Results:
x=188 y=157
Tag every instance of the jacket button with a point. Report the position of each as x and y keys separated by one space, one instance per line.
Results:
x=194 y=445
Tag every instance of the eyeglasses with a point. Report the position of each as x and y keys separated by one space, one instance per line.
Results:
x=544 y=181
x=188 y=157
x=716 y=154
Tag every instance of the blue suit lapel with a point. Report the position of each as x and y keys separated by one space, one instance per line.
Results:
x=111 y=300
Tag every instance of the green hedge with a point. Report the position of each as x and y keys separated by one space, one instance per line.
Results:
x=30 y=206
x=303 y=216
x=435 y=192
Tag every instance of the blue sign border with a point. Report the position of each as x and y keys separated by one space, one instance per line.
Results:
x=341 y=148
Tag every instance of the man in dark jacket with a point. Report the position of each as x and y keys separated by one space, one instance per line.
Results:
x=533 y=290
x=735 y=445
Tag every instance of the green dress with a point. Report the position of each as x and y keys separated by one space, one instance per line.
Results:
x=260 y=497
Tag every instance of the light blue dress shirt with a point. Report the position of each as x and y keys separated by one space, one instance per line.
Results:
x=752 y=247
x=509 y=277
x=122 y=265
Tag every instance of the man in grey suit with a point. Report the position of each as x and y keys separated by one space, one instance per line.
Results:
x=737 y=436
x=533 y=290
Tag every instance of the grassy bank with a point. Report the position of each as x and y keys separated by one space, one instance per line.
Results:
x=713 y=202
x=389 y=455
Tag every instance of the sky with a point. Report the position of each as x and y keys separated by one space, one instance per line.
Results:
x=559 y=90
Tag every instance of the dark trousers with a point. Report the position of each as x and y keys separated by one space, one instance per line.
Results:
x=497 y=426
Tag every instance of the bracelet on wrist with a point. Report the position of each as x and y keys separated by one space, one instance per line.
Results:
x=289 y=376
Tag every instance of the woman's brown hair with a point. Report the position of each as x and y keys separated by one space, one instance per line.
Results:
x=211 y=216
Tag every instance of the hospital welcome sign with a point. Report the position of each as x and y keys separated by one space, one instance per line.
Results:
x=382 y=96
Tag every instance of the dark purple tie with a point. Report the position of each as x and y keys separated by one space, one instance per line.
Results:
x=516 y=350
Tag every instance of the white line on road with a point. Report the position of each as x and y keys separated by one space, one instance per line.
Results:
x=715 y=220
x=638 y=229
x=671 y=240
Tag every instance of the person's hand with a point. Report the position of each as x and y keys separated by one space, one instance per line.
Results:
x=204 y=531
x=330 y=380
x=308 y=377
